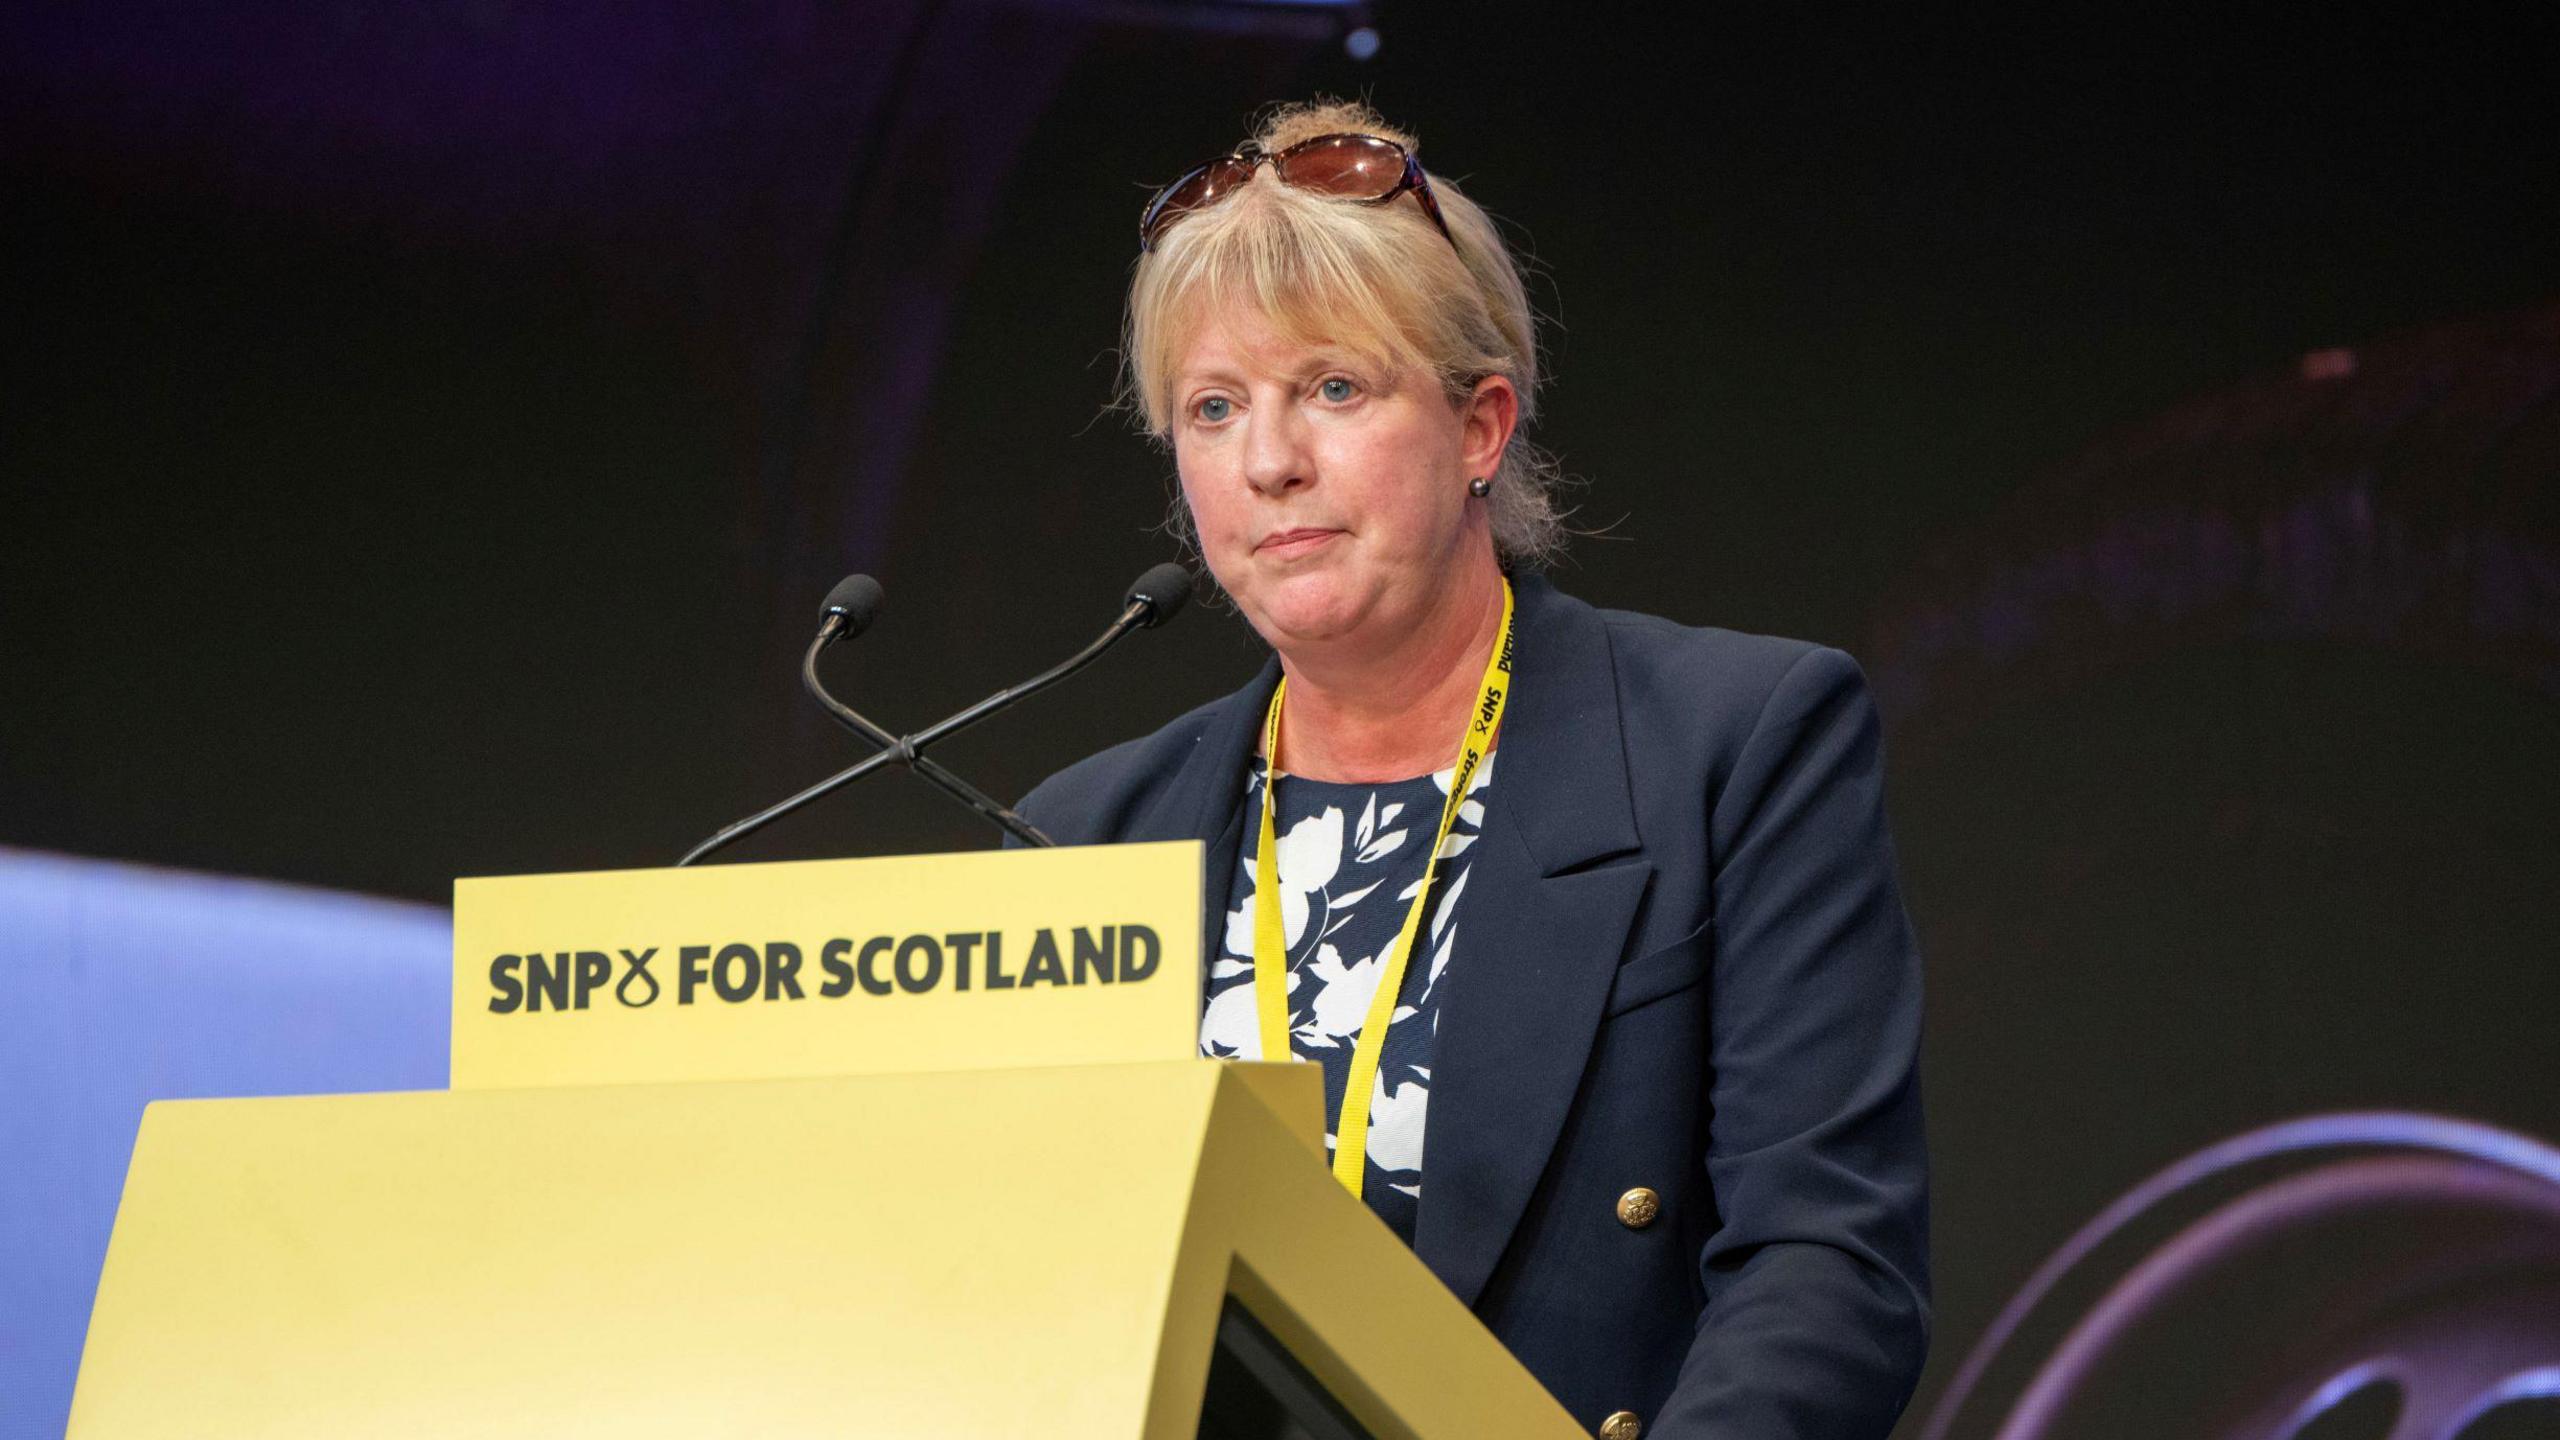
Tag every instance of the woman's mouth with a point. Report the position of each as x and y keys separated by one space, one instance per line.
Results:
x=1289 y=544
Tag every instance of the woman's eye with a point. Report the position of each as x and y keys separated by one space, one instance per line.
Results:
x=1214 y=409
x=1336 y=389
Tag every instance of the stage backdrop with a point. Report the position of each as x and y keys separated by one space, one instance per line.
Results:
x=429 y=433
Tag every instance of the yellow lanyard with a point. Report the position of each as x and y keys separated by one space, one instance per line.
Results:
x=1270 y=935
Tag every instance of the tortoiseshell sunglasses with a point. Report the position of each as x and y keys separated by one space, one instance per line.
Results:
x=1364 y=168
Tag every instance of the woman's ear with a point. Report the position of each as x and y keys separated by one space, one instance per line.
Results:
x=1486 y=418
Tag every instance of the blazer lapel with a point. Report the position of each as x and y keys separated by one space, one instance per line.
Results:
x=1541 y=930
x=1206 y=799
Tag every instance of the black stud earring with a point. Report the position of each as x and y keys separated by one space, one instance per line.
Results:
x=1480 y=486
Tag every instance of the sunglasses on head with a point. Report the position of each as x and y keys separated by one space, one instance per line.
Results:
x=1364 y=168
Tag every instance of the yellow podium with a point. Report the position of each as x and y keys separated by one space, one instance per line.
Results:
x=1061 y=1250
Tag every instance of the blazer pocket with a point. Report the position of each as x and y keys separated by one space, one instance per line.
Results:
x=1667 y=971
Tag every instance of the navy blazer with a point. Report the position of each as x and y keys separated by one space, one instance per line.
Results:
x=1689 y=969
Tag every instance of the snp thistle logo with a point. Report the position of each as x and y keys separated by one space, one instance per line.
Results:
x=569 y=979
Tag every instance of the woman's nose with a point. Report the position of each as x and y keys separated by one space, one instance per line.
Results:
x=1275 y=453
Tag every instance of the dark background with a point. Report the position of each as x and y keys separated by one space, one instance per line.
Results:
x=429 y=433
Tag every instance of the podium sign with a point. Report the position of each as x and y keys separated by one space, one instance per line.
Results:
x=983 y=960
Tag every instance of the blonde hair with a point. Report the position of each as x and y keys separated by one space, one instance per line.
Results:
x=1377 y=280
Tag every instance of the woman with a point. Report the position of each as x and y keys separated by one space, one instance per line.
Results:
x=1631 y=1026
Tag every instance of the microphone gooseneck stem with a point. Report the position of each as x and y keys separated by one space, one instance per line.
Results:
x=908 y=753
x=943 y=729
x=753 y=823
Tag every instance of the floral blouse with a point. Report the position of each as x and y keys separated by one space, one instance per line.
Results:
x=1350 y=861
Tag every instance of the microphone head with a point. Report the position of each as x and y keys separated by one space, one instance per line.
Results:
x=856 y=600
x=1163 y=590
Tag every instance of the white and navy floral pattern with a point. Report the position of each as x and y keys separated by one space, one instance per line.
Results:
x=1350 y=862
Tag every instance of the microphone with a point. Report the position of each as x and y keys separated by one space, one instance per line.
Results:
x=850 y=609
x=1157 y=597
x=1164 y=590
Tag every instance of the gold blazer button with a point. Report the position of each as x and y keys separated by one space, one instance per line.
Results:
x=1621 y=1426
x=1636 y=1210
